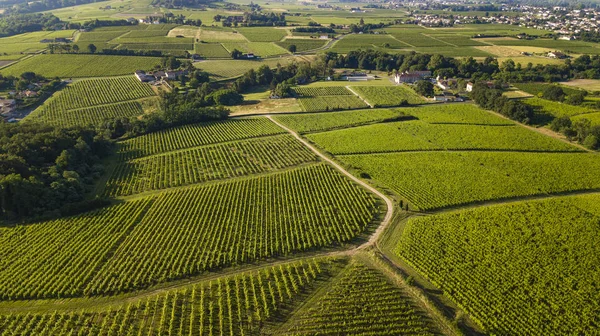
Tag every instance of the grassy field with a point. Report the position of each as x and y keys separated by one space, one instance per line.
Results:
x=485 y=256
x=453 y=178
x=418 y=135
x=73 y=66
x=260 y=34
x=585 y=84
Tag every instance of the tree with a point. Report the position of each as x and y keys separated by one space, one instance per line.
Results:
x=236 y=54
x=575 y=98
x=424 y=88
x=553 y=92
x=292 y=48
x=283 y=90
x=227 y=97
x=591 y=142
x=91 y=48
x=75 y=48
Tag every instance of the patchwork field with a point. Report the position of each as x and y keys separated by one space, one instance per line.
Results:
x=530 y=261
x=73 y=66
x=259 y=34
x=378 y=96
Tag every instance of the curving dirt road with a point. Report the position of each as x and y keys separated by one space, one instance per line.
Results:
x=388 y=202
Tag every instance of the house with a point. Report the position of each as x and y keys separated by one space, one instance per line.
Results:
x=469 y=87
x=28 y=94
x=440 y=98
x=142 y=76
x=566 y=38
x=158 y=75
x=7 y=106
x=556 y=54
x=445 y=84
x=323 y=37
x=131 y=20
x=249 y=56
x=411 y=76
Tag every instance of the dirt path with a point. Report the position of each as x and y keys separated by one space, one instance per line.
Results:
x=356 y=94
x=388 y=202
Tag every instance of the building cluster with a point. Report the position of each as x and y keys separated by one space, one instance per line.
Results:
x=160 y=75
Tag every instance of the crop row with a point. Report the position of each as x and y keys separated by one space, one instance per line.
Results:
x=523 y=268
x=331 y=103
x=190 y=231
x=432 y=180
x=91 y=92
x=94 y=115
x=361 y=302
x=468 y=114
x=418 y=135
x=197 y=135
x=234 y=305
x=206 y=163
x=305 y=123
x=381 y=96
x=58 y=258
x=310 y=91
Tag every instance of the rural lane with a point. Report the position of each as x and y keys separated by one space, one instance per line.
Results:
x=388 y=202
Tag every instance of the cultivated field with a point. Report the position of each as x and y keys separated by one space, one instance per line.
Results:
x=379 y=96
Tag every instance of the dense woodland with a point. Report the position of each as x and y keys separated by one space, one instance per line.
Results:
x=14 y=24
x=44 y=5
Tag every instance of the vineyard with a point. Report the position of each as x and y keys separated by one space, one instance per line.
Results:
x=306 y=123
x=313 y=91
x=58 y=258
x=524 y=268
x=382 y=96
x=302 y=44
x=91 y=92
x=331 y=103
x=243 y=304
x=417 y=135
x=555 y=108
x=431 y=180
x=94 y=115
x=456 y=114
x=197 y=135
x=255 y=34
x=207 y=163
x=211 y=50
x=274 y=215
x=361 y=302
x=72 y=66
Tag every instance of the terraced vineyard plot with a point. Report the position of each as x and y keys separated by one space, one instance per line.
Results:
x=331 y=103
x=459 y=40
x=524 y=268
x=555 y=108
x=232 y=68
x=302 y=44
x=355 y=42
x=234 y=305
x=88 y=116
x=58 y=258
x=211 y=50
x=326 y=121
x=99 y=36
x=262 y=49
x=322 y=91
x=157 y=40
x=207 y=163
x=165 y=47
x=420 y=40
x=538 y=88
x=194 y=230
x=259 y=34
x=72 y=66
x=594 y=118
x=432 y=180
x=361 y=302
x=456 y=114
x=417 y=135
x=219 y=36
x=382 y=96
x=91 y=92
x=197 y=135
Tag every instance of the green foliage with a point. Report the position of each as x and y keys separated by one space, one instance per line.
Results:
x=424 y=88
x=226 y=97
x=197 y=135
x=301 y=44
x=456 y=114
x=418 y=135
x=554 y=93
x=306 y=123
x=361 y=302
x=382 y=96
x=432 y=180
x=194 y=230
x=331 y=103
x=312 y=91
x=556 y=109
x=208 y=163
x=234 y=305
x=256 y=34
x=529 y=261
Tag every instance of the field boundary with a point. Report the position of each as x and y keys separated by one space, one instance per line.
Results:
x=356 y=94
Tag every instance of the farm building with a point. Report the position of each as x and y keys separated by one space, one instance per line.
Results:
x=556 y=54
x=411 y=76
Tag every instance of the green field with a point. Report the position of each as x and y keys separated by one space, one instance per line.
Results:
x=260 y=34
x=71 y=105
x=197 y=135
x=322 y=91
x=531 y=261
x=380 y=96
x=203 y=164
x=418 y=135
x=307 y=123
x=468 y=114
x=262 y=49
x=224 y=69
x=331 y=103
x=556 y=109
x=211 y=50
x=431 y=180
x=302 y=44
x=73 y=66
